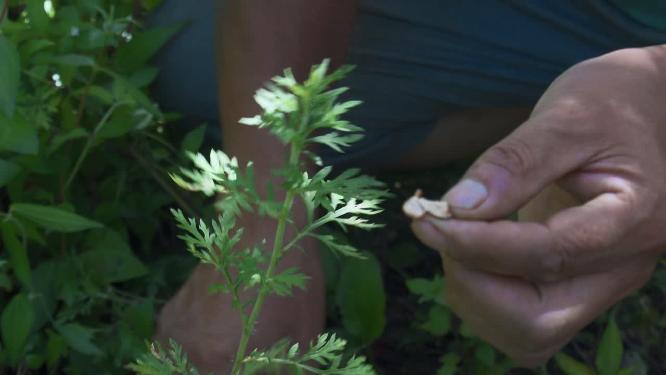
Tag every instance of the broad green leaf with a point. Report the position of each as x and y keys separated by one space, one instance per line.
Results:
x=17 y=135
x=37 y=15
x=439 y=321
x=10 y=70
x=571 y=366
x=140 y=317
x=485 y=354
x=143 y=46
x=361 y=298
x=609 y=354
x=16 y=323
x=144 y=77
x=56 y=347
x=193 y=139
x=110 y=258
x=101 y=93
x=35 y=45
x=449 y=364
x=79 y=338
x=18 y=256
x=8 y=171
x=64 y=137
x=122 y=121
x=73 y=60
x=53 y=218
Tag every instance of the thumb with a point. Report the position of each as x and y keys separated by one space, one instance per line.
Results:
x=516 y=169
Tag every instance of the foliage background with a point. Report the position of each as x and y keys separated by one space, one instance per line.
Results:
x=88 y=248
x=89 y=251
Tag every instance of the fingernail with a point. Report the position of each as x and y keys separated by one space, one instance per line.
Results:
x=467 y=194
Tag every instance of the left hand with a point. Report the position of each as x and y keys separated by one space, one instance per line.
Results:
x=599 y=132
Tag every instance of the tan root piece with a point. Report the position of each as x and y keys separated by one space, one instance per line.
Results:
x=417 y=206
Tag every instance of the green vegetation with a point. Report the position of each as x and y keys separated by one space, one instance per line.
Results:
x=90 y=249
x=85 y=261
x=299 y=115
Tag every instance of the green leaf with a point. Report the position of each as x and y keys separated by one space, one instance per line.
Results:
x=609 y=354
x=35 y=45
x=122 y=121
x=110 y=258
x=53 y=218
x=79 y=338
x=144 y=77
x=8 y=171
x=62 y=138
x=485 y=354
x=56 y=347
x=18 y=256
x=439 y=321
x=194 y=139
x=16 y=323
x=10 y=70
x=283 y=283
x=136 y=53
x=571 y=366
x=17 y=135
x=37 y=15
x=450 y=362
x=361 y=298
x=427 y=290
x=73 y=59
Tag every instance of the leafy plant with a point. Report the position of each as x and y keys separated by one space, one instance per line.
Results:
x=84 y=157
x=299 y=115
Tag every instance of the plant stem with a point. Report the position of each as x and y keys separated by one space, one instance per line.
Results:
x=261 y=296
x=278 y=247
x=86 y=147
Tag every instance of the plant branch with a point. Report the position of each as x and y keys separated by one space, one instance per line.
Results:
x=86 y=147
x=160 y=181
x=278 y=248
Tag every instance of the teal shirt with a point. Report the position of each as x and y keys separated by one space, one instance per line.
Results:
x=648 y=12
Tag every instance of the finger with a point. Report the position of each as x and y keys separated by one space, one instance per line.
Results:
x=501 y=247
x=594 y=236
x=514 y=170
x=578 y=240
x=496 y=308
x=530 y=322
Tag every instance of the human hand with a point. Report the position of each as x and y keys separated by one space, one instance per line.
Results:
x=209 y=328
x=599 y=132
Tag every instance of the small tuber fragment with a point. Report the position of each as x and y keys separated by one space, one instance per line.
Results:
x=417 y=206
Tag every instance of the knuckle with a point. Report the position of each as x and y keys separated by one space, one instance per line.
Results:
x=514 y=155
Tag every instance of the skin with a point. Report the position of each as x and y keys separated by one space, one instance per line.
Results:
x=598 y=132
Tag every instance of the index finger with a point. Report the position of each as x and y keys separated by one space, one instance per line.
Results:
x=581 y=239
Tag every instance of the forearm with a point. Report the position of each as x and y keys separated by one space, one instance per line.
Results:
x=260 y=38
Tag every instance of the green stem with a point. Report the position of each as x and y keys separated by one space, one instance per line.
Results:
x=263 y=290
x=154 y=171
x=278 y=248
x=86 y=147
